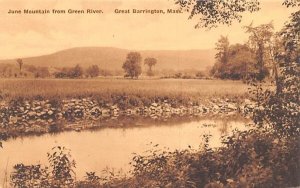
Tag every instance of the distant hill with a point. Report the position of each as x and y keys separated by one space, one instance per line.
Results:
x=113 y=58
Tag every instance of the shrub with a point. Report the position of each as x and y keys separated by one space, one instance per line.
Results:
x=60 y=174
x=27 y=176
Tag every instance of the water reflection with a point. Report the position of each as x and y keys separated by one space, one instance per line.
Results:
x=112 y=147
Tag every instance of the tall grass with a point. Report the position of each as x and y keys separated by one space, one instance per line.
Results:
x=67 y=88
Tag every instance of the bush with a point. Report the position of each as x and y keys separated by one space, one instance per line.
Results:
x=73 y=72
x=60 y=174
x=30 y=176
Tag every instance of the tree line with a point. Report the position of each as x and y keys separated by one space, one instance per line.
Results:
x=132 y=67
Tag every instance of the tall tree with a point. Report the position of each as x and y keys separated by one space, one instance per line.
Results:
x=260 y=40
x=20 y=63
x=222 y=46
x=132 y=65
x=150 y=62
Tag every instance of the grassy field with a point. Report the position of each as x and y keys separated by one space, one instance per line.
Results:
x=67 y=88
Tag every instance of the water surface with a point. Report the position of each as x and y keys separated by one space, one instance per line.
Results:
x=112 y=147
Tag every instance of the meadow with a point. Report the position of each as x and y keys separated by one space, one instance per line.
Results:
x=76 y=88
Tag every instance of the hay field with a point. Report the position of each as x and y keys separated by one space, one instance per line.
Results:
x=68 y=88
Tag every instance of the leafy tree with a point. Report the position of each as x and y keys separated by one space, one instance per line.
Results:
x=93 y=71
x=132 y=65
x=291 y=3
x=150 y=62
x=222 y=46
x=20 y=63
x=214 y=12
x=260 y=39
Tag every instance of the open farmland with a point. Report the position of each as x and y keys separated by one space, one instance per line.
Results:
x=65 y=88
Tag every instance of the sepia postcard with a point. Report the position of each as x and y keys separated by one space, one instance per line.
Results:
x=149 y=93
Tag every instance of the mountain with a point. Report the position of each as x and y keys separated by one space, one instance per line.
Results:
x=113 y=58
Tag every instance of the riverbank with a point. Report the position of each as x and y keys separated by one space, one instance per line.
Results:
x=25 y=117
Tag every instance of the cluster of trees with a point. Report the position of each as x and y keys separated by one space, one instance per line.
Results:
x=73 y=72
x=9 y=70
x=23 y=70
x=187 y=74
x=254 y=58
x=233 y=61
x=78 y=72
x=133 y=65
x=88 y=72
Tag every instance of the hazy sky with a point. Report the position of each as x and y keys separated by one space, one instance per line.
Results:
x=31 y=35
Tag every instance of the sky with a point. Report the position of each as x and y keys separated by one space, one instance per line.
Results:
x=32 y=35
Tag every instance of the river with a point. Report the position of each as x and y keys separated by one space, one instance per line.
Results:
x=112 y=147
